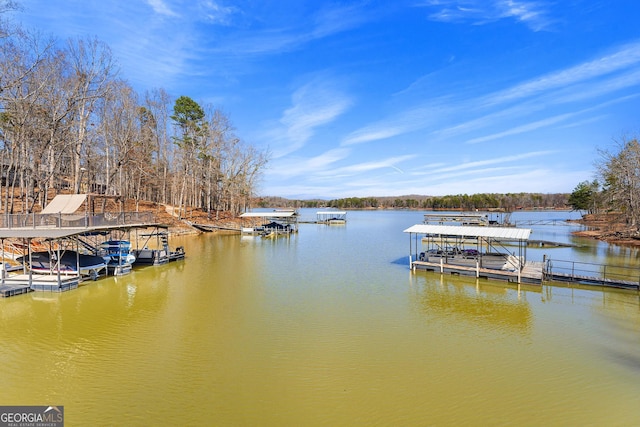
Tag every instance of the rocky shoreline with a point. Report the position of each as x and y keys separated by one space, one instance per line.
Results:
x=610 y=228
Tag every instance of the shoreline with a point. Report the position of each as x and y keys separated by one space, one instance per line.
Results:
x=608 y=228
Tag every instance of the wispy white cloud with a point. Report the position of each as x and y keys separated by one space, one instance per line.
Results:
x=292 y=167
x=622 y=58
x=160 y=7
x=481 y=163
x=531 y=180
x=314 y=104
x=216 y=13
x=406 y=121
x=338 y=18
x=532 y=13
x=291 y=35
x=613 y=72
x=524 y=128
x=388 y=163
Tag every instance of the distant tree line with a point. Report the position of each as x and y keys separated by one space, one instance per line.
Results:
x=464 y=202
x=69 y=123
x=617 y=186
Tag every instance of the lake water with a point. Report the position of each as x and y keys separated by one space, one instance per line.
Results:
x=327 y=327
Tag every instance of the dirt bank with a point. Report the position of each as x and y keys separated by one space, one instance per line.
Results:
x=610 y=228
x=168 y=215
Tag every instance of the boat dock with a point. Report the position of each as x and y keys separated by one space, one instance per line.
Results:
x=331 y=217
x=473 y=250
x=445 y=253
x=269 y=224
x=66 y=233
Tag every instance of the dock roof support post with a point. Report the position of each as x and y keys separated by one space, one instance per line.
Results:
x=30 y=269
x=4 y=268
x=59 y=264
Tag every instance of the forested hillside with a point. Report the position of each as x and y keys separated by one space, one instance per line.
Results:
x=69 y=122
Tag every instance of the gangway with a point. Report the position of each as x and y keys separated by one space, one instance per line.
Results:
x=530 y=222
x=585 y=273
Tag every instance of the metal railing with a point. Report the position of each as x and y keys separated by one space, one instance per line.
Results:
x=34 y=220
x=593 y=273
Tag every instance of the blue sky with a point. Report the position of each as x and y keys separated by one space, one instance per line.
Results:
x=387 y=98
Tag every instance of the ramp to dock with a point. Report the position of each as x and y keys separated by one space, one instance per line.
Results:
x=585 y=273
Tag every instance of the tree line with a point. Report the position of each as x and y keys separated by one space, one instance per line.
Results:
x=616 y=187
x=69 y=123
x=465 y=202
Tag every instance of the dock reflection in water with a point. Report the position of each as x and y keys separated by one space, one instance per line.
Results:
x=322 y=328
x=483 y=305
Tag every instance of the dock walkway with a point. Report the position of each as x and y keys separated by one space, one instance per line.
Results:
x=594 y=281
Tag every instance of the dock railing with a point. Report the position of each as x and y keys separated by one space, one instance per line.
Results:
x=592 y=274
x=34 y=220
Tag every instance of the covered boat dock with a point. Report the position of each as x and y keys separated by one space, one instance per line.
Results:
x=331 y=217
x=57 y=230
x=270 y=223
x=473 y=251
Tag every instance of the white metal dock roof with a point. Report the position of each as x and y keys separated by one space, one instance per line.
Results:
x=62 y=232
x=506 y=233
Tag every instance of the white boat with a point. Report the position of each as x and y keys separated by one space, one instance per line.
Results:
x=469 y=257
x=118 y=252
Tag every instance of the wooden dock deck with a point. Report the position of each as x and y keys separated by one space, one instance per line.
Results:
x=531 y=273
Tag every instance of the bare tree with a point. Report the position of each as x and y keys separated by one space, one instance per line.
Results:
x=23 y=79
x=92 y=67
x=620 y=173
x=158 y=104
x=62 y=111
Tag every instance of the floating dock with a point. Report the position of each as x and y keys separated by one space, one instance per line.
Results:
x=468 y=250
x=445 y=253
x=22 y=283
x=269 y=224
x=531 y=273
x=331 y=217
x=11 y=289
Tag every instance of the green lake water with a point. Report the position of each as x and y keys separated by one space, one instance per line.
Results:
x=327 y=327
